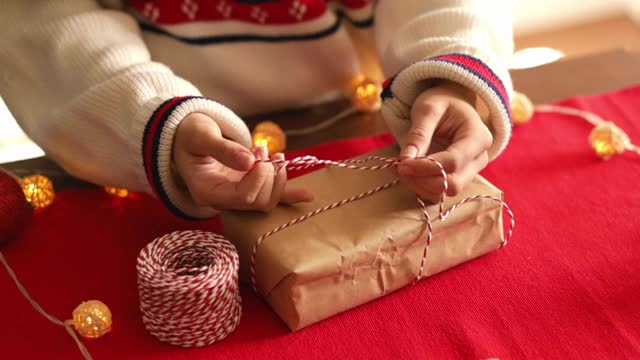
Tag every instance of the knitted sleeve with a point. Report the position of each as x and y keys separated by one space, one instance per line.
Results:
x=465 y=41
x=79 y=80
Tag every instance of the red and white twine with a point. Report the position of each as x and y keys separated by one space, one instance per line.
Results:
x=308 y=161
x=188 y=281
x=188 y=285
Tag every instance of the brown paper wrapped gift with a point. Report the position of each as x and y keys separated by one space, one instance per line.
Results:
x=360 y=251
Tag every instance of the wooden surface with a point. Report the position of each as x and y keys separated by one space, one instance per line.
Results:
x=585 y=75
x=615 y=32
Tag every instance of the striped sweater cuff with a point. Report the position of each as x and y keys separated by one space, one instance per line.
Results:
x=157 y=146
x=400 y=91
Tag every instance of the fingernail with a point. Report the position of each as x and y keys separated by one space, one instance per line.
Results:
x=409 y=151
x=257 y=152
x=278 y=167
x=279 y=164
x=264 y=152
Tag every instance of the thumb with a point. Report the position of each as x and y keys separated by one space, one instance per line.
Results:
x=424 y=120
x=231 y=154
x=201 y=136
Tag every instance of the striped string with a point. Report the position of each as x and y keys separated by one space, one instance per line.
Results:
x=308 y=161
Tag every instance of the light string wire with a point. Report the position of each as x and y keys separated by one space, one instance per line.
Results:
x=588 y=116
x=67 y=324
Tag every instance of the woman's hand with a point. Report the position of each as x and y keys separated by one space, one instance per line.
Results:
x=224 y=174
x=446 y=113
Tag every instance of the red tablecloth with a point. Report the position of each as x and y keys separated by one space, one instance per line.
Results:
x=567 y=286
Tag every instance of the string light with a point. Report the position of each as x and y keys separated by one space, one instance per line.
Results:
x=116 y=191
x=521 y=109
x=92 y=319
x=364 y=94
x=38 y=190
x=271 y=136
x=607 y=140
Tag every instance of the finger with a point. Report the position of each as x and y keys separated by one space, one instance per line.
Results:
x=209 y=188
x=295 y=195
x=453 y=158
x=205 y=139
x=285 y=194
x=231 y=154
x=263 y=196
x=424 y=120
x=471 y=139
x=418 y=167
x=431 y=187
x=458 y=181
x=279 y=182
x=248 y=189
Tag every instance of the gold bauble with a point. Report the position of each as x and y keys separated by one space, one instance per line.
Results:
x=92 y=319
x=116 y=191
x=271 y=136
x=521 y=109
x=365 y=94
x=607 y=140
x=38 y=190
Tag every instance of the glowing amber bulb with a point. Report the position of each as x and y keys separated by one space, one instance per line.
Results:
x=92 y=319
x=607 y=140
x=116 y=191
x=365 y=94
x=521 y=109
x=38 y=190
x=271 y=136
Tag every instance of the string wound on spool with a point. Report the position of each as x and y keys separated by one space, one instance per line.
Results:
x=188 y=285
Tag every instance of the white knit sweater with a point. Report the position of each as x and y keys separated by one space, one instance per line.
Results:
x=102 y=86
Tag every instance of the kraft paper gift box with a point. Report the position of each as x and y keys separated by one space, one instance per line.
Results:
x=360 y=251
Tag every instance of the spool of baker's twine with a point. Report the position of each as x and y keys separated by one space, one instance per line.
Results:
x=188 y=285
